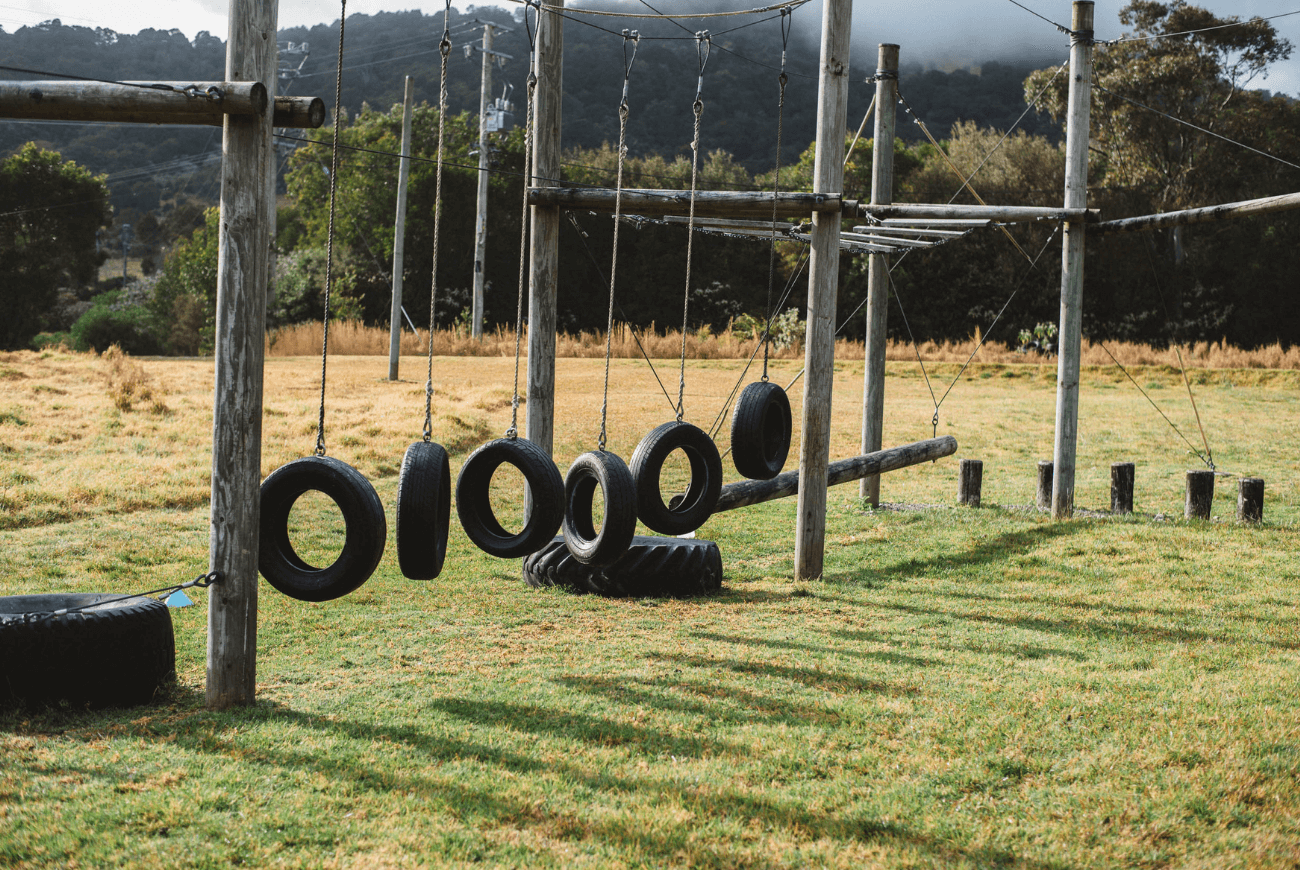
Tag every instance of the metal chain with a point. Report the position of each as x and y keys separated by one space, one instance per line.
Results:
x=329 y=238
x=635 y=39
x=513 y=431
x=444 y=46
x=203 y=581
x=703 y=45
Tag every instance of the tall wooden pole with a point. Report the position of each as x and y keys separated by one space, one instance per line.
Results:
x=484 y=163
x=399 y=234
x=244 y=252
x=882 y=193
x=1076 y=196
x=823 y=286
x=544 y=244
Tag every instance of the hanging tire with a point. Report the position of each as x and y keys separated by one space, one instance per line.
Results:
x=116 y=653
x=760 y=431
x=687 y=511
x=363 y=542
x=607 y=471
x=423 y=510
x=545 y=490
x=651 y=568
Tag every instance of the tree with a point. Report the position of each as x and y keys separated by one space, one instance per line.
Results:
x=49 y=212
x=184 y=303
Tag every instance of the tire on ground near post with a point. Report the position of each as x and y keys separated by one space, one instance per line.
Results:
x=116 y=653
x=651 y=568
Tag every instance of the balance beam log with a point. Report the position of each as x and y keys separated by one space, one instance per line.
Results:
x=748 y=492
x=206 y=103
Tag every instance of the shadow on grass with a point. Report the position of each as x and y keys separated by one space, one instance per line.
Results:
x=822 y=680
x=856 y=653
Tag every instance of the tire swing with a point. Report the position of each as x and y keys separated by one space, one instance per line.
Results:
x=600 y=468
x=363 y=514
x=545 y=487
x=424 y=485
x=762 y=425
x=686 y=512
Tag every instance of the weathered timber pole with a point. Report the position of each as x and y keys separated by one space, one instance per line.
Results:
x=907 y=212
x=1250 y=499
x=970 y=481
x=399 y=234
x=1227 y=211
x=544 y=241
x=244 y=252
x=1122 y=477
x=1200 y=495
x=484 y=164
x=1043 y=500
x=882 y=193
x=756 y=205
x=141 y=103
x=747 y=492
x=299 y=112
x=1076 y=197
x=823 y=287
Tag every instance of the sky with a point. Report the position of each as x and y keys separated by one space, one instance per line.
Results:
x=957 y=31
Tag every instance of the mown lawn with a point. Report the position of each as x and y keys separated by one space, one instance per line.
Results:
x=964 y=688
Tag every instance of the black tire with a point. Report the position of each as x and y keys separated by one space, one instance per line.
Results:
x=651 y=568
x=607 y=471
x=545 y=490
x=363 y=542
x=116 y=654
x=761 y=428
x=423 y=510
x=688 y=511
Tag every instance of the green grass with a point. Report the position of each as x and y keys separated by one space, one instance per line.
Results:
x=964 y=688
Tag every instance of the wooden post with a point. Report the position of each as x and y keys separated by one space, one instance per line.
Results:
x=1076 y=196
x=244 y=251
x=970 y=480
x=399 y=234
x=823 y=286
x=1200 y=495
x=882 y=193
x=1044 y=498
x=544 y=240
x=1250 y=499
x=1122 y=475
x=484 y=164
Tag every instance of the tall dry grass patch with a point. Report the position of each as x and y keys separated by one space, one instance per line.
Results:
x=129 y=383
x=350 y=338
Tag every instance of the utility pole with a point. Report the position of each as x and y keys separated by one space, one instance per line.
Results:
x=484 y=164
x=399 y=234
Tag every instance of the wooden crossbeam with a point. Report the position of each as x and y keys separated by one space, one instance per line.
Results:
x=1228 y=211
x=1001 y=213
x=708 y=203
x=207 y=103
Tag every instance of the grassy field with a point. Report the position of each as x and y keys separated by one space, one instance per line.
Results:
x=964 y=688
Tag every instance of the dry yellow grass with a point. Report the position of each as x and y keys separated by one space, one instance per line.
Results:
x=355 y=339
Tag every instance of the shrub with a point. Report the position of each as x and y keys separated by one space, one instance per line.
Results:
x=130 y=328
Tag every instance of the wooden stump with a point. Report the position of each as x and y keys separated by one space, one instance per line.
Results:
x=1200 y=495
x=1121 y=487
x=1044 y=501
x=1250 y=499
x=969 y=481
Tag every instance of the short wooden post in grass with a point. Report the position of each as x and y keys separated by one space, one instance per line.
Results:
x=1122 y=475
x=970 y=479
x=1250 y=499
x=1045 y=474
x=1200 y=495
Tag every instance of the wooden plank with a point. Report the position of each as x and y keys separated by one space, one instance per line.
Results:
x=243 y=259
x=823 y=287
x=708 y=203
x=898 y=241
x=910 y=231
x=544 y=242
x=1000 y=213
x=748 y=492
x=1070 y=333
x=913 y=223
x=1209 y=214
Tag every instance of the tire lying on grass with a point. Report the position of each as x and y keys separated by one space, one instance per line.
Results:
x=651 y=568
x=116 y=652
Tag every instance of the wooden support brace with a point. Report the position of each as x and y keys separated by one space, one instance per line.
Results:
x=1228 y=211
x=1001 y=213
x=747 y=492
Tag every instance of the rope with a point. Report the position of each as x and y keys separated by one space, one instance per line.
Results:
x=213 y=93
x=329 y=243
x=1255 y=20
x=861 y=128
x=915 y=349
x=782 y=81
x=789 y=4
x=1195 y=127
x=513 y=431
x=203 y=581
x=444 y=46
x=1192 y=446
x=1060 y=27
x=629 y=36
x=703 y=45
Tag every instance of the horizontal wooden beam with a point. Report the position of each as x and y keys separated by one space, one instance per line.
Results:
x=1228 y=211
x=748 y=492
x=205 y=103
x=1002 y=213
x=708 y=203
